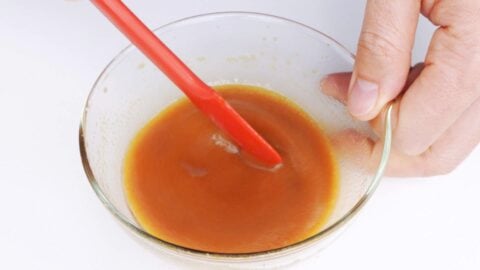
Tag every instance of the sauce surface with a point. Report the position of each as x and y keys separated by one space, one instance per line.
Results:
x=187 y=184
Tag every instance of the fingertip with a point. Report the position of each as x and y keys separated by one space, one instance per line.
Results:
x=326 y=84
x=336 y=85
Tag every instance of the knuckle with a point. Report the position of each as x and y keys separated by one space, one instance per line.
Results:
x=381 y=45
x=439 y=165
x=410 y=146
x=427 y=7
x=452 y=13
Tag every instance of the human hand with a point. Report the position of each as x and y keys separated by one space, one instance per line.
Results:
x=436 y=112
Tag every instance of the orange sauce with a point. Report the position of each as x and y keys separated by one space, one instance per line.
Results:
x=187 y=184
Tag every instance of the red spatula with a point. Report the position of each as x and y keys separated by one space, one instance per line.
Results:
x=204 y=97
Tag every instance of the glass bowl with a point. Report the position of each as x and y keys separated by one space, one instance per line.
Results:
x=241 y=48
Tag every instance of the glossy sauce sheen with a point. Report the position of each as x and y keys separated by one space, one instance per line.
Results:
x=186 y=184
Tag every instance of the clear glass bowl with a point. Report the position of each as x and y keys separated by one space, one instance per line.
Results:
x=242 y=48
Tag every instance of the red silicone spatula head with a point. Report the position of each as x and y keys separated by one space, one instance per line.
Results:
x=203 y=96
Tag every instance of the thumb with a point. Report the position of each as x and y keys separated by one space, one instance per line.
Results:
x=383 y=55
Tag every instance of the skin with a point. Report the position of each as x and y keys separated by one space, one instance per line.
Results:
x=436 y=114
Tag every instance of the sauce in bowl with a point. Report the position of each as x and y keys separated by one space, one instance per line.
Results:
x=187 y=184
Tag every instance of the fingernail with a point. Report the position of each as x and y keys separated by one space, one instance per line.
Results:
x=362 y=98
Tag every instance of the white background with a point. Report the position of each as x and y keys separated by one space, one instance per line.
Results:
x=51 y=52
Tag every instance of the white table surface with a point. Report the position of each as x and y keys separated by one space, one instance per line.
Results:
x=50 y=54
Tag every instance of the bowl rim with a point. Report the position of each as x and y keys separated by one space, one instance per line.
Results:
x=230 y=257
